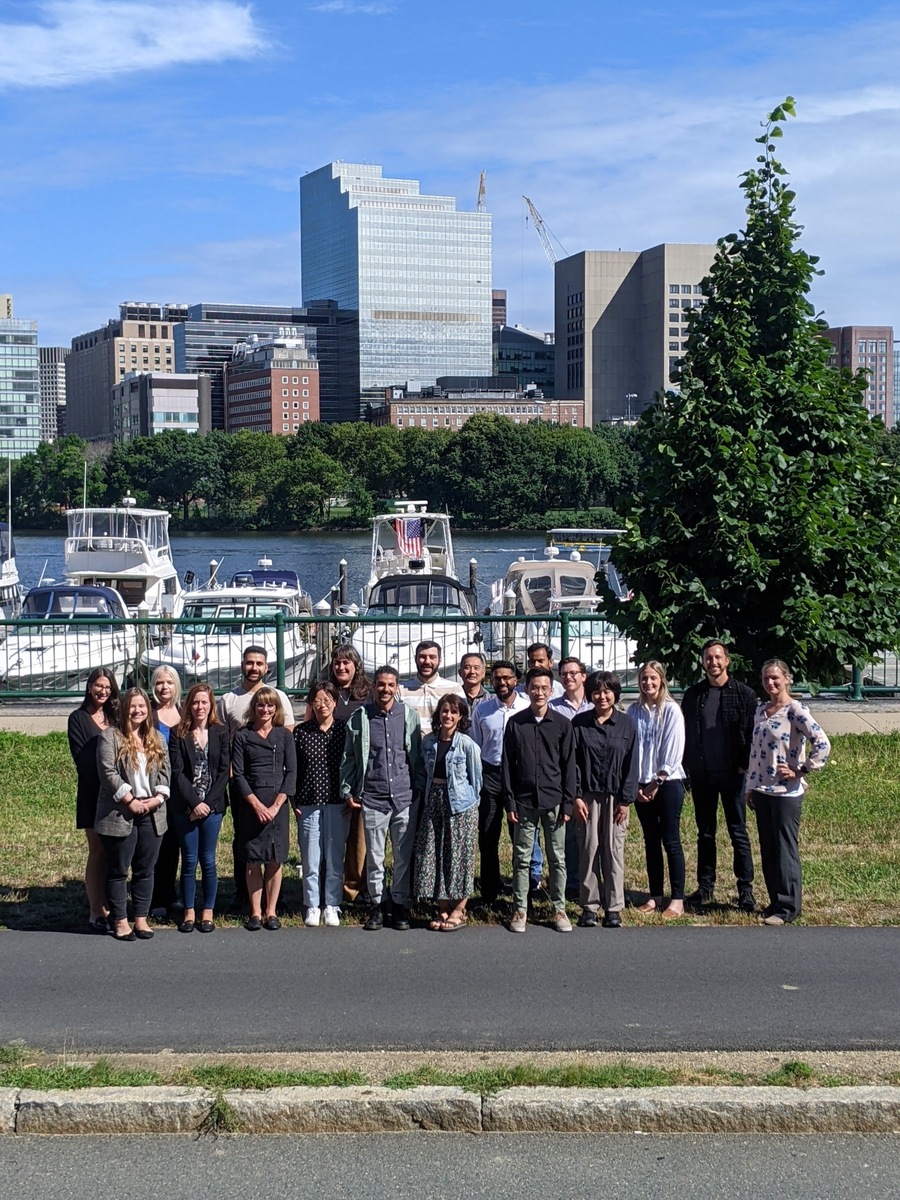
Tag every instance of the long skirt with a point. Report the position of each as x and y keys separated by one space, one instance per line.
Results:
x=445 y=849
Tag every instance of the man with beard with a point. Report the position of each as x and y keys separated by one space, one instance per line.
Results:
x=426 y=687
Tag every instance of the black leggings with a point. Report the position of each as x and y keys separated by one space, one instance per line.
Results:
x=661 y=824
x=138 y=851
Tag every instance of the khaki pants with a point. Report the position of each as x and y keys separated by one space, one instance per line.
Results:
x=601 y=845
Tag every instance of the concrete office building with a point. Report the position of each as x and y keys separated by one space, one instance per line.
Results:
x=271 y=386
x=621 y=324
x=6 y=304
x=416 y=270
x=52 y=360
x=140 y=340
x=870 y=347
x=150 y=402
x=527 y=355
x=20 y=404
x=205 y=340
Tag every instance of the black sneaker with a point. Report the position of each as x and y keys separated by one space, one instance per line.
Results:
x=700 y=897
x=375 y=919
x=401 y=917
x=587 y=920
x=612 y=920
x=746 y=900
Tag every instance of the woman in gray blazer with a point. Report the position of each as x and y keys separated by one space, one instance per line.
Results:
x=133 y=764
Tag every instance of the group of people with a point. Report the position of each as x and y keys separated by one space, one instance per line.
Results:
x=437 y=766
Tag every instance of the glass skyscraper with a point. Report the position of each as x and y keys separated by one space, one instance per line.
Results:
x=417 y=271
x=20 y=401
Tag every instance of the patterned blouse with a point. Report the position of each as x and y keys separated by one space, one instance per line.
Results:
x=783 y=738
x=319 y=763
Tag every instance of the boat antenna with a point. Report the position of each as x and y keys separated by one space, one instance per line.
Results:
x=43 y=569
x=84 y=487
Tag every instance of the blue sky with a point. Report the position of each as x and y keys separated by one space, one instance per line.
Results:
x=152 y=151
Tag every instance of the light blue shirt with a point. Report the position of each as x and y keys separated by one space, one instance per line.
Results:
x=489 y=724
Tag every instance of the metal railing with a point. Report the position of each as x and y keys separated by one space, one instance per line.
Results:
x=53 y=657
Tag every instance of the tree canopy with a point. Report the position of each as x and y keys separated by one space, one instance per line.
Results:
x=768 y=514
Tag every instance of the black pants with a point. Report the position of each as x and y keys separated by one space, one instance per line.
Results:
x=778 y=821
x=491 y=814
x=707 y=790
x=660 y=821
x=137 y=852
x=165 y=875
x=235 y=802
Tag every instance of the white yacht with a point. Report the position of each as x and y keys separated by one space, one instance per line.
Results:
x=64 y=632
x=413 y=575
x=125 y=548
x=217 y=621
x=10 y=588
x=538 y=590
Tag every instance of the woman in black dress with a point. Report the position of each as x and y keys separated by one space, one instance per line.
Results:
x=97 y=711
x=264 y=770
x=199 y=754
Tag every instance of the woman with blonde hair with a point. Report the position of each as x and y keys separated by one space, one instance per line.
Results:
x=660 y=797
x=131 y=811
x=264 y=771
x=165 y=688
x=787 y=744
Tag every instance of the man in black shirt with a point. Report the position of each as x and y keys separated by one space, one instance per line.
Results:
x=718 y=726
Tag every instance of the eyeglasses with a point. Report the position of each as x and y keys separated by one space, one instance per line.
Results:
x=266 y=704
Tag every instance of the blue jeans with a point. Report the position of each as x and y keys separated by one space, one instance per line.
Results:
x=198 y=842
x=323 y=828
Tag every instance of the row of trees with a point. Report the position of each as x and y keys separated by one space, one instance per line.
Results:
x=491 y=474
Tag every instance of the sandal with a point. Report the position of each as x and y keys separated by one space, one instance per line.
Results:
x=648 y=908
x=439 y=921
x=453 y=923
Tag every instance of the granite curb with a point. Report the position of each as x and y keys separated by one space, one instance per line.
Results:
x=451 y=1110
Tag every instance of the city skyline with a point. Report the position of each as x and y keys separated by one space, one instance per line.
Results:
x=148 y=162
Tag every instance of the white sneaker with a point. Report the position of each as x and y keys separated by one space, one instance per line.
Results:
x=332 y=915
x=562 y=923
x=519 y=922
x=312 y=917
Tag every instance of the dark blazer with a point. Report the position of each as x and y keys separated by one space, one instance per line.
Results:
x=183 y=756
x=83 y=733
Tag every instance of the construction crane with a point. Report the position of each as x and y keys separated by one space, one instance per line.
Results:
x=544 y=233
x=479 y=207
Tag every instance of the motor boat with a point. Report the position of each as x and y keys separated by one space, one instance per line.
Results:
x=539 y=590
x=413 y=576
x=126 y=548
x=64 y=631
x=206 y=644
x=10 y=587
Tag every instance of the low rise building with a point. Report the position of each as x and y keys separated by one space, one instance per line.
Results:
x=451 y=401
x=271 y=386
x=147 y=403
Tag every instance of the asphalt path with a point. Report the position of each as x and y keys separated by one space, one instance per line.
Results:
x=482 y=988
x=441 y=1166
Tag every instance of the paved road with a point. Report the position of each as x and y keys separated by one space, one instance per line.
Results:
x=425 y=1166
x=484 y=988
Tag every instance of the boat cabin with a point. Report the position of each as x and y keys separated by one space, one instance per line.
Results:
x=425 y=596
x=61 y=601
x=411 y=540
x=541 y=587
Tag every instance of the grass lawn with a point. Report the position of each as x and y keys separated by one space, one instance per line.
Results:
x=850 y=840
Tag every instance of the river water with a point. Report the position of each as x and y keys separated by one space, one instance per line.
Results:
x=314 y=556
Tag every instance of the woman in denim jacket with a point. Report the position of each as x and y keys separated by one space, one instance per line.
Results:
x=445 y=843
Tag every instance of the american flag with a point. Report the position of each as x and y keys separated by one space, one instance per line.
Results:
x=409 y=535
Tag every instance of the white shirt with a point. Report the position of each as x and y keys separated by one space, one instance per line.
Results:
x=423 y=696
x=489 y=724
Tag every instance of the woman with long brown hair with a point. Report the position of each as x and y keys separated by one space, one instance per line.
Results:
x=198 y=751
x=264 y=769
x=131 y=810
x=97 y=711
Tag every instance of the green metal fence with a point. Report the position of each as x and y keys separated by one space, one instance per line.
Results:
x=53 y=657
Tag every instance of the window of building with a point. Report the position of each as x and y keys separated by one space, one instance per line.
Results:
x=698 y=290
x=673 y=345
x=306 y=404
x=284 y=379
x=676 y=332
x=673 y=304
x=882 y=347
x=284 y=391
x=306 y=379
x=399 y=422
x=286 y=428
x=306 y=391
x=295 y=391
x=685 y=304
x=686 y=287
x=673 y=287
x=306 y=416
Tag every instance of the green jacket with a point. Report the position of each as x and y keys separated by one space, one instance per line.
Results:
x=356 y=751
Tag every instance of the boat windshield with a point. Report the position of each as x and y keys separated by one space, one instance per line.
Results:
x=120 y=524
x=257 y=617
x=41 y=603
x=538 y=588
x=420 y=598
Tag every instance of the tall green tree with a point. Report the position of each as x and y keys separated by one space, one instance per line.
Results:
x=769 y=516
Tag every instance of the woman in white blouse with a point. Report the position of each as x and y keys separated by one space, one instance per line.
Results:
x=131 y=811
x=660 y=798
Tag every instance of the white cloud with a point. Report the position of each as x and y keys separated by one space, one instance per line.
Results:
x=352 y=8
x=80 y=41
